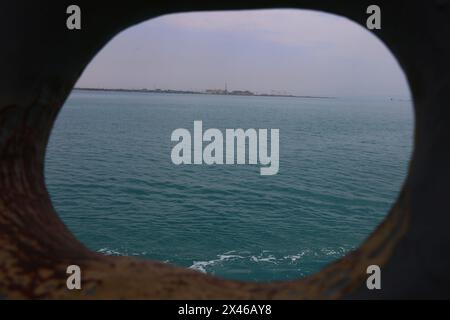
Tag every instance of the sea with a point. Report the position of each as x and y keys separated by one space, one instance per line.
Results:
x=111 y=179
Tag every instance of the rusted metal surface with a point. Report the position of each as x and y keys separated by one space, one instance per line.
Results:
x=40 y=61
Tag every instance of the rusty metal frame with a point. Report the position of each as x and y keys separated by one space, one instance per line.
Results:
x=40 y=61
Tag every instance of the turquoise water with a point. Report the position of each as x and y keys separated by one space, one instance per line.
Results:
x=111 y=179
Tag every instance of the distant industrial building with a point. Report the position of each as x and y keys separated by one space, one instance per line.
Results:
x=225 y=91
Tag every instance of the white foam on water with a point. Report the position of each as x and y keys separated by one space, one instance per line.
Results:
x=109 y=252
x=265 y=256
x=116 y=252
x=202 y=265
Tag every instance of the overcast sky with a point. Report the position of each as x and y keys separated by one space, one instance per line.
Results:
x=266 y=51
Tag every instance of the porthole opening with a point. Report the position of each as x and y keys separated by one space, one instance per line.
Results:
x=334 y=91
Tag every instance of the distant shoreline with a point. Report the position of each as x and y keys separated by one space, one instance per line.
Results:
x=240 y=93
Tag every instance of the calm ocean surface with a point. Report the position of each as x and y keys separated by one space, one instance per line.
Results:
x=111 y=179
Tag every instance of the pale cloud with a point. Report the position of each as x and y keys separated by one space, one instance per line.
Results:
x=288 y=27
x=296 y=51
